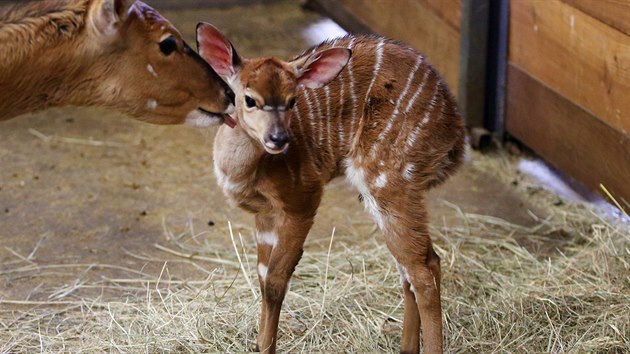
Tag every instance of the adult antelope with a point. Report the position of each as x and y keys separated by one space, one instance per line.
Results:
x=383 y=118
x=105 y=53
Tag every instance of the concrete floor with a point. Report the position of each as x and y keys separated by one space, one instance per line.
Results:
x=86 y=186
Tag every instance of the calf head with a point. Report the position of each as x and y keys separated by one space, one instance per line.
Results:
x=266 y=89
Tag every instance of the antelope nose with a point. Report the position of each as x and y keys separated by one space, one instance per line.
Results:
x=279 y=138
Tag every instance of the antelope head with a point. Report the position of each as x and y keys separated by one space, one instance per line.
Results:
x=150 y=72
x=266 y=88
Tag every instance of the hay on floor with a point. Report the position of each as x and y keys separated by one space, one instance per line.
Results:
x=498 y=296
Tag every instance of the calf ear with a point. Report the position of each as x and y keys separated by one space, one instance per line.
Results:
x=108 y=15
x=217 y=50
x=319 y=68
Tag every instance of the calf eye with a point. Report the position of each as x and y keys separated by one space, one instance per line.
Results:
x=250 y=102
x=168 y=45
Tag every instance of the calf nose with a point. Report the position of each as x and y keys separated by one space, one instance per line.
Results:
x=279 y=138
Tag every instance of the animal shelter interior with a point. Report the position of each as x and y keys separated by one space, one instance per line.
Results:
x=116 y=236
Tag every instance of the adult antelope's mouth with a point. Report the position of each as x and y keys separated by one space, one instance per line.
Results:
x=223 y=117
x=203 y=118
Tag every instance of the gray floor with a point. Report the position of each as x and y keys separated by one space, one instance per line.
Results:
x=86 y=186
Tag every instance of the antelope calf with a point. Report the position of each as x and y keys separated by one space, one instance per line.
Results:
x=105 y=53
x=360 y=106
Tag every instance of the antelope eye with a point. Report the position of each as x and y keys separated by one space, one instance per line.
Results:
x=250 y=102
x=168 y=45
x=291 y=103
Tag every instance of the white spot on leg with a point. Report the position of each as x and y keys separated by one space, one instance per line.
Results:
x=262 y=271
x=404 y=277
x=152 y=104
x=356 y=176
x=404 y=274
x=269 y=238
x=151 y=70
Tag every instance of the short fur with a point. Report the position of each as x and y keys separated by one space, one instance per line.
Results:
x=389 y=124
x=101 y=53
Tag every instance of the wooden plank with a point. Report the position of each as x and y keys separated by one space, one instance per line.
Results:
x=567 y=136
x=576 y=55
x=615 y=13
x=339 y=14
x=449 y=10
x=413 y=22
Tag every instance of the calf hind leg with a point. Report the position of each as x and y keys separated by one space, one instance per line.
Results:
x=419 y=266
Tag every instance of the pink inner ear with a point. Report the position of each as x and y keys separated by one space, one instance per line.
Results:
x=325 y=67
x=215 y=49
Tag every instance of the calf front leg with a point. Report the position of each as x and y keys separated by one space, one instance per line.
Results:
x=280 y=242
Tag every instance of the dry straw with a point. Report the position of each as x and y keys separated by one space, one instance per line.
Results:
x=562 y=286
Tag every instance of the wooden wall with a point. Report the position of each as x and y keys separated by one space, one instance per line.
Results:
x=430 y=26
x=568 y=73
x=191 y=4
x=452 y=34
x=569 y=87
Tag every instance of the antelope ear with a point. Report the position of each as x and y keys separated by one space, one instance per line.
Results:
x=217 y=50
x=320 y=68
x=108 y=15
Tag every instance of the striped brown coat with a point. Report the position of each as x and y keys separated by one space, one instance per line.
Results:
x=383 y=118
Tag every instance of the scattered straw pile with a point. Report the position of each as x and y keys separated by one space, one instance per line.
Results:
x=497 y=297
x=562 y=286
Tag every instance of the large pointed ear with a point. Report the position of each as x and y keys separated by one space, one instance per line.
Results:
x=217 y=50
x=319 y=68
x=108 y=15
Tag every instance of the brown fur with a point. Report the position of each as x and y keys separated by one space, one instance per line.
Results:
x=331 y=135
x=53 y=55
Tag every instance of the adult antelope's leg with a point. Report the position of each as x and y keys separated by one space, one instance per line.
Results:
x=283 y=241
x=408 y=239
